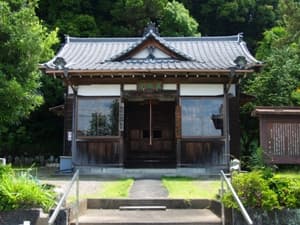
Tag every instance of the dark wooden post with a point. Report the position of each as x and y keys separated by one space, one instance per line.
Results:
x=226 y=155
x=150 y=122
x=178 y=131
x=74 y=123
x=121 y=128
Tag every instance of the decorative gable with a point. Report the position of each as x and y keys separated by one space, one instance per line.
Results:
x=151 y=46
x=151 y=52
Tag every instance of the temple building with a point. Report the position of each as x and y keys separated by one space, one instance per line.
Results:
x=152 y=101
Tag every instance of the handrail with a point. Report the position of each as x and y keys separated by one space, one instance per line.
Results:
x=236 y=198
x=63 y=198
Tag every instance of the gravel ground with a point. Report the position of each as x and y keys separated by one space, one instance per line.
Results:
x=89 y=186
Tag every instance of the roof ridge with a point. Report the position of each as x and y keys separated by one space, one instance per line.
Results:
x=133 y=39
x=102 y=39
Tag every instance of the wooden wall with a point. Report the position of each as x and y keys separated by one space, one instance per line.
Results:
x=280 y=139
x=201 y=153
x=98 y=152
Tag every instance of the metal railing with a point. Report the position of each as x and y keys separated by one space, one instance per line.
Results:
x=30 y=172
x=236 y=198
x=63 y=198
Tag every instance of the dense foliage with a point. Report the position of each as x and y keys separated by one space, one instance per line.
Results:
x=24 y=42
x=260 y=189
x=22 y=192
x=279 y=81
x=279 y=49
x=116 y=18
x=223 y=17
x=128 y=17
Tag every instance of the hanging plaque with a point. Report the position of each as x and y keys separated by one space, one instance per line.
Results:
x=149 y=86
x=121 y=116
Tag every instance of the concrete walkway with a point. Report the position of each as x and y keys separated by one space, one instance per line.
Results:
x=148 y=188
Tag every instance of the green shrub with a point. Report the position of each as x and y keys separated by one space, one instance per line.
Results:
x=257 y=160
x=253 y=191
x=288 y=191
x=260 y=189
x=21 y=192
x=5 y=171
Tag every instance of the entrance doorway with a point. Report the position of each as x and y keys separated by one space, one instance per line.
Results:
x=149 y=134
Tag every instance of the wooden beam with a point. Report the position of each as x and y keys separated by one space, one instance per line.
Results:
x=149 y=72
x=108 y=80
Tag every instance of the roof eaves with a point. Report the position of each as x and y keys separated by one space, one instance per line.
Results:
x=248 y=54
x=275 y=110
x=148 y=70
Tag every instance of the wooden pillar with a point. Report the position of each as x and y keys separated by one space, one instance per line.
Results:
x=74 y=124
x=178 y=152
x=150 y=122
x=178 y=129
x=226 y=155
x=68 y=118
x=121 y=130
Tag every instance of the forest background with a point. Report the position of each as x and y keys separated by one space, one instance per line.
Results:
x=32 y=31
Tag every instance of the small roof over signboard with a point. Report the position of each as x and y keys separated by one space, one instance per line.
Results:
x=276 y=110
x=152 y=53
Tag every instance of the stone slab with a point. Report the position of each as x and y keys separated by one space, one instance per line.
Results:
x=170 y=216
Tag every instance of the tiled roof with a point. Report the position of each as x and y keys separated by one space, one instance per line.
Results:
x=200 y=53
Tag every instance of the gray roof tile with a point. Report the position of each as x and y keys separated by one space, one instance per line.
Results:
x=200 y=53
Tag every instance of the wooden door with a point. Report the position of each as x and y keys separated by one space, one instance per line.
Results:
x=149 y=134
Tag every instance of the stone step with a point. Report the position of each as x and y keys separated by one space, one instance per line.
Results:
x=156 y=207
x=169 y=216
x=167 y=202
x=150 y=172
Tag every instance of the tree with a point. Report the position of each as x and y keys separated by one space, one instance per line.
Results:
x=278 y=83
x=273 y=87
x=279 y=50
x=75 y=18
x=177 y=21
x=24 y=42
x=131 y=16
x=223 y=17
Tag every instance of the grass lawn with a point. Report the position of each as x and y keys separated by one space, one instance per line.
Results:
x=289 y=173
x=110 y=189
x=116 y=189
x=187 y=188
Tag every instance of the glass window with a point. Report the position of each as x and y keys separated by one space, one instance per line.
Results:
x=201 y=116
x=98 y=117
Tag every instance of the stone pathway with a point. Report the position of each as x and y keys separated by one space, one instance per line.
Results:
x=148 y=188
